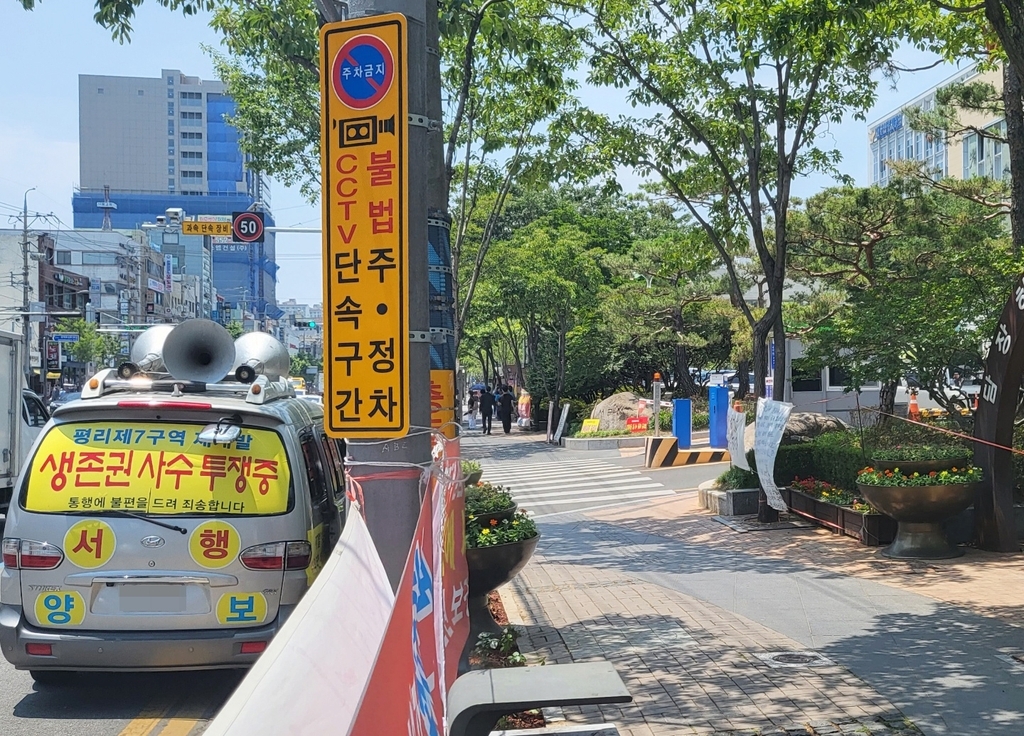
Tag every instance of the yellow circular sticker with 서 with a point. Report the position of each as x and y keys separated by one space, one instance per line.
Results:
x=89 y=543
x=242 y=608
x=214 y=544
x=60 y=608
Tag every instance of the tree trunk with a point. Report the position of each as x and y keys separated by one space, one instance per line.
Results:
x=743 y=369
x=761 y=329
x=1013 y=103
x=684 y=381
x=887 y=401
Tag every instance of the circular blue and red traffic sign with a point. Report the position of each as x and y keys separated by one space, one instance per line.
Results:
x=362 y=72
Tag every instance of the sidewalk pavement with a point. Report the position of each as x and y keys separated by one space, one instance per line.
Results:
x=688 y=610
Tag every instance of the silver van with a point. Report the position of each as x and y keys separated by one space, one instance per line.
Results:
x=173 y=517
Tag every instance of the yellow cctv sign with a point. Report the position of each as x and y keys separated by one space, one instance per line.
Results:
x=216 y=229
x=364 y=134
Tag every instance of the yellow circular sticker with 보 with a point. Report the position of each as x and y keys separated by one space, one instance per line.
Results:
x=214 y=544
x=60 y=608
x=89 y=543
x=242 y=608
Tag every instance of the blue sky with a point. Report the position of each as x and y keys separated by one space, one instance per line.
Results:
x=45 y=50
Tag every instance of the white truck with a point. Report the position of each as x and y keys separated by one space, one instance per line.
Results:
x=22 y=415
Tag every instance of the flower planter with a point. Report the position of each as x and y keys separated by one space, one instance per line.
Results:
x=484 y=519
x=920 y=511
x=909 y=467
x=871 y=530
x=490 y=568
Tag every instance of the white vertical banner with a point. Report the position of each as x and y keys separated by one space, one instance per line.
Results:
x=734 y=435
x=771 y=421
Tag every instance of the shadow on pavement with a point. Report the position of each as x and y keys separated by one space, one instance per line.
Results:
x=938 y=663
x=101 y=695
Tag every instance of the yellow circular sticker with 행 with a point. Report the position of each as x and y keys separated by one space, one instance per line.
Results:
x=89 y=543
x=242 y=608
x=214 y=544
x=60 y=608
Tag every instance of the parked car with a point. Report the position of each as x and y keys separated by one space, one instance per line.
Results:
x=170 y=521
x=64 y=397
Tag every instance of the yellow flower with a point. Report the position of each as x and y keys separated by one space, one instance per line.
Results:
x=485 y=531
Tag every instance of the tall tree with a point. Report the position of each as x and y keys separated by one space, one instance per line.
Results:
x=738 y=95
x=923 y=273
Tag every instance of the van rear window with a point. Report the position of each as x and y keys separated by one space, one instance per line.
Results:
x=157 y=468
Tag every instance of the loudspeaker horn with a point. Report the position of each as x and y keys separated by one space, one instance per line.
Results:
x=260 y=354
x=199 y=350
x=148 y=351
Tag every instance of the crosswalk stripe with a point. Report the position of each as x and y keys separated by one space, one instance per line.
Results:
x=615 y=497
x=591 y=483
x=584 y=491
x=551 y=478
x=503 y=474
x=594 y=508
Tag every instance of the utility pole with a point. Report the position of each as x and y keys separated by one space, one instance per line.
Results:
x=26 y=321
x=392 y=505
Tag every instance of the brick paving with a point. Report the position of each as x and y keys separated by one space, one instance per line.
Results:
x=691 y=666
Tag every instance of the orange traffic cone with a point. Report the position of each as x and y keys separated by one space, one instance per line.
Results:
x=913 y=410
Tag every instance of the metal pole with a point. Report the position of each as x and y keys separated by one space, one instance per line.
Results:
x=657 y=405
x=26 y=319
x=392 y=506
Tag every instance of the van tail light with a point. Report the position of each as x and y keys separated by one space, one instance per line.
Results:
x=297 y=556
x=9 y=547
x=39 y=650
x=277 y=556
x=39 y=555
x=26 y=554
x=264 y=557
x=252 y=647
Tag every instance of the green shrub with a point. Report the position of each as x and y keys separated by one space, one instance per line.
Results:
x=834 y=457
x=701 y=420
x=735 y=478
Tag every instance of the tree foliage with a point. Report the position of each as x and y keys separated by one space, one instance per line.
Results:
x=92 y=345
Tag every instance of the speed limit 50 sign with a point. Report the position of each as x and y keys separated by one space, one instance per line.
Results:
x=247 y=227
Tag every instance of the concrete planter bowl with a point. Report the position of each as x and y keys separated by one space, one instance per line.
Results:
x=484 y=518
x=920 y=511
x=489 y=569
x=908 y=467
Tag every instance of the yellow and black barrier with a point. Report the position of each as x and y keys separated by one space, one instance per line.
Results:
x=664 y=452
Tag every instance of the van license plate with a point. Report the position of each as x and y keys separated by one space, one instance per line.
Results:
x=151 y=598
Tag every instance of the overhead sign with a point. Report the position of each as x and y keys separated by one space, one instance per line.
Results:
x=64 y=337
x=168 y=273
x=194 y=227
x=247 y=227
x=364 y=130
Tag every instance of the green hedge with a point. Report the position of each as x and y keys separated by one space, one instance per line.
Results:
x=834 y=457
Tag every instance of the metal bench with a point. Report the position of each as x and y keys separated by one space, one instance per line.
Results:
x=478 y=699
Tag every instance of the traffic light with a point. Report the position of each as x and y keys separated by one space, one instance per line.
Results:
x=312 y=325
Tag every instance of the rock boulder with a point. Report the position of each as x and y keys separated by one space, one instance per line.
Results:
x=805 y=426
x=614 y=410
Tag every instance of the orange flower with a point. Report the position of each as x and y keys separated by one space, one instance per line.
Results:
x=932 y=474
x=494 y=522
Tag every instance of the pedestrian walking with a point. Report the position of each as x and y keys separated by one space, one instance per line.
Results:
x=486 y=409
x=505 y=403
x=471 y=405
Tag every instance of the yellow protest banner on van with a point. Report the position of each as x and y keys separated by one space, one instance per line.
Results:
x=157 y=468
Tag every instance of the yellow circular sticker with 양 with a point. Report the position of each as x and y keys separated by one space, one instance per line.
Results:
x=89 y=543
x=60 y=608
x=214 y=544
x=242 y=608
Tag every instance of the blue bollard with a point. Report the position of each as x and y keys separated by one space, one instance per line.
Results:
x=682 y=422
x=718 y=410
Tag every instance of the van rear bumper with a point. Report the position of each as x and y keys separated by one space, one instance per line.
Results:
x=130 y=651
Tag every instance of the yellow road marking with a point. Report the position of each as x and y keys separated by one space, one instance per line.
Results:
x=184 y=719
x=179 y=727
x=147 y=720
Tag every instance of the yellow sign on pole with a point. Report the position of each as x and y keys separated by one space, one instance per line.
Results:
x=363 y=129
x=217 y=229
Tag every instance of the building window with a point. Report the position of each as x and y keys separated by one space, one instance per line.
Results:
x=170 y=127
x=170 y=147
x=170 y=80
x=170 y=109
x=99 y=90
x=191 y=116
x=191 y=174
x=63 y=258
x=170 y=185
x=192 y=155
x=141 y=92
x=170 y=167
x=99 y=259
x=170 y=94
x=191 y=136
